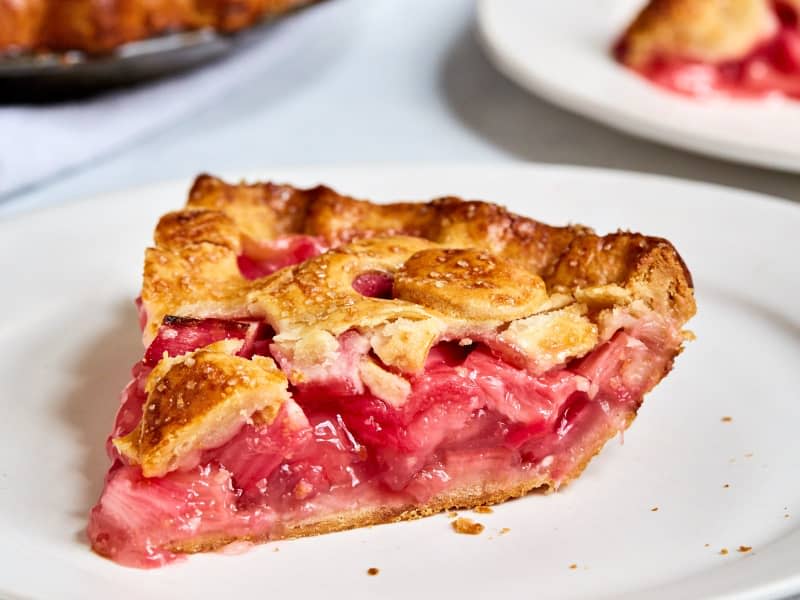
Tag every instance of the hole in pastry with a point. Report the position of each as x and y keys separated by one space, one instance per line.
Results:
x=787 y=14
x=374 y=284
x=264 y=258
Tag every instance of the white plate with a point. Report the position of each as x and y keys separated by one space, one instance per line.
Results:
x=561 y=51
x=69 y=336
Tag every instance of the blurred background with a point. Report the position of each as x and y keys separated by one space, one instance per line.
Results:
x=340 y=81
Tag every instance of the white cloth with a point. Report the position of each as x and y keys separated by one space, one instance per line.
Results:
x=39 y=141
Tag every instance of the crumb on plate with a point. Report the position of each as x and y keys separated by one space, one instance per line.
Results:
x=744 y=549
x=573 y=566
x=726 y=419
x=504 y=530
x=466 y=526
x=724 y=551
x=373 y=571
x=484 y=510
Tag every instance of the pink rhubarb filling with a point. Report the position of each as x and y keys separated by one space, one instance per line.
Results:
x=469 y=417
x=771 y=68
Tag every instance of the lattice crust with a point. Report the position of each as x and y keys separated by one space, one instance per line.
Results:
x=98 y=26
x=193 y=271
x=710 y=31
x=467 y=271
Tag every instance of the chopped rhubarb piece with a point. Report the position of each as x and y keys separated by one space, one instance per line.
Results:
x=178 y=335
x=374 y=284
x=137 y=520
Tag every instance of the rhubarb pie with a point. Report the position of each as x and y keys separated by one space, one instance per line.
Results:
x=99 y=26
x=314 y=363
x=740 y=48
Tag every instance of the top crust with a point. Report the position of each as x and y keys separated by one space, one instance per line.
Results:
x=99 y=26
x=192 y=271
x=467 y=271
x=710 y=31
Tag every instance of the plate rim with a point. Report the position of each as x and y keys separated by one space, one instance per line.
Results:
x=513 y=67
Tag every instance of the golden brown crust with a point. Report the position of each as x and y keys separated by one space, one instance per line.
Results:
x=705 y=30
x=193 y=267
x=469 y=283
x=198 y=401
x=99 y=26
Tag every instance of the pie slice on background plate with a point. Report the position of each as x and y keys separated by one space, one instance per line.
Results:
x=100 y=26
x=315 y=363
x=741 y=48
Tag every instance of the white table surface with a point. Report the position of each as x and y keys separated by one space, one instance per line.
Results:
x=389 y=80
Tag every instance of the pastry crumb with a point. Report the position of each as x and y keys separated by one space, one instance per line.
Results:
x=706 y=545
x=744 y=549
x=749 y=455
x=467 y=526
x=276 y=549
x=786 y=516
x=654 y=509
x=504 y=530
x=484 y=510
x=726 y=419
x=726 y=485
x=452 y=514
x=724 y=551
x=573 y=566
x=373 y=571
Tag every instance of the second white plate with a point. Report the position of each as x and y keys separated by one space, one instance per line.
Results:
x=560 y=51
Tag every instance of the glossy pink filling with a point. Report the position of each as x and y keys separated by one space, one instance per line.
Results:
x=470 y=417
x=773 y=67
x=260 y=259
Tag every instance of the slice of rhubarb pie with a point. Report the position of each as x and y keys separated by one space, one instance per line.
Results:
x=742 y=48
x=315 y=362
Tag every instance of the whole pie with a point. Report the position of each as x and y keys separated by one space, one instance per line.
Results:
x=742 y=48
x=99 y=26
x=315 y=362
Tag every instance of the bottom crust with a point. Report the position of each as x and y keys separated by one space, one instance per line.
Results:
x=480 y=493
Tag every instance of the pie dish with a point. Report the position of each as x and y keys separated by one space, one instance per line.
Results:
x=315 y=362
x=740 y=48
x=100 y=26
